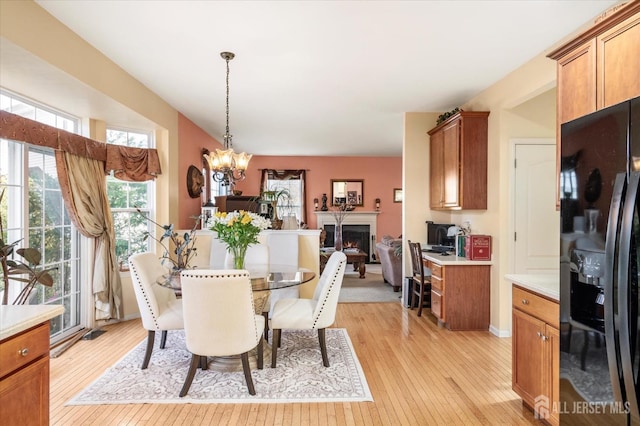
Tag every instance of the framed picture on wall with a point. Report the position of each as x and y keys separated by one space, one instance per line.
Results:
x=397 y=195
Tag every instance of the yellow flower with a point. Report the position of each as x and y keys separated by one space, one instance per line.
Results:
x=245 y=219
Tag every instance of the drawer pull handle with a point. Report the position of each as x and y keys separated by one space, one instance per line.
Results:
x=539 y=334
x=525 y=302
x=24 y=351
x=544 y=338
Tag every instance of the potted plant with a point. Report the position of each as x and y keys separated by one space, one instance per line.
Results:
x=30 y=272
x=275 y=198
x=181 y=249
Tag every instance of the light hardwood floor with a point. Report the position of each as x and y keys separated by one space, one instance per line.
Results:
x=419 y=374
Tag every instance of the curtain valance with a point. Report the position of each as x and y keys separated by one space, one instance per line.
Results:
x=131 y=164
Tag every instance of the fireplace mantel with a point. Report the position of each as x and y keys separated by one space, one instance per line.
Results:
x=353 y=218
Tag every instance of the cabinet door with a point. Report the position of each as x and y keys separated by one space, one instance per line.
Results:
x=436 y=305
x=436 y=173
x=528 y=356
x=451 y=164
x=577 y=83
x=552 y=344
x=24 y=395
x=619 y=63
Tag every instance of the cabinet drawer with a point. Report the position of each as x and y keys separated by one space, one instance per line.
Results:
x=436 y=305
x=24 y=348
x=436 y=270
x=537 y=306
x=437 y=284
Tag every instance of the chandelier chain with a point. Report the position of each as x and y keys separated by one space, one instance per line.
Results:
x=227 y=135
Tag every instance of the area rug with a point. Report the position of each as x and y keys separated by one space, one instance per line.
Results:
x=298 y=377
x=371 y=289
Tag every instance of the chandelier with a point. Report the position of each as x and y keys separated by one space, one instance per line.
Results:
x=226 y=165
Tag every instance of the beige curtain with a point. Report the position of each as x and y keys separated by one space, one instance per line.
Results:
x=84 y=190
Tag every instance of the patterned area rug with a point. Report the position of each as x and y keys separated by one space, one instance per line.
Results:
x=299 y=376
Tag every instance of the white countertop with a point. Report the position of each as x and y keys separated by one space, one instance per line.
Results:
x=545 y=284
x=17 y=318
x=453 y=260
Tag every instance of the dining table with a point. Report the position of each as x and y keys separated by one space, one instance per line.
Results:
x=263 y=281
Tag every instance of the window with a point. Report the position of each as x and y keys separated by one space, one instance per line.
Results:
x=125 y=197
x=293 y=182
x=33 y=212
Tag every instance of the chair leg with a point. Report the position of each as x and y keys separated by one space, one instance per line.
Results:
x=163 y=339
x=204 y=363
x=195 y=361
x=147 y=355
x=323 y=346
x=260 y=354
x=274 y=346
x=421 y=300
x=247 y=372
x=266 y=325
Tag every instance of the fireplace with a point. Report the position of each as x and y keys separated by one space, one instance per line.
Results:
x=353 y=236
x=358 y=227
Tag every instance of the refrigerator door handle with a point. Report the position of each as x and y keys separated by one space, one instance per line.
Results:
x=610 y=323
x=624 y=293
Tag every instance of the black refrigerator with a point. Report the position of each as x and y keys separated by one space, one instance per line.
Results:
x=600 y=230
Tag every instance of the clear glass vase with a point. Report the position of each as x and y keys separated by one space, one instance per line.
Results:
x=338 y=237
x=239 y=253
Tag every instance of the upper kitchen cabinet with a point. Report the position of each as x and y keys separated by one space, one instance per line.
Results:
x=600 y=67
x=458 y=162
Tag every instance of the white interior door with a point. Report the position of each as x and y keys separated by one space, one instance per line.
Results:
x=537 y=223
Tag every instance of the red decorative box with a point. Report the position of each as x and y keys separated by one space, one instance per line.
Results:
x=478 y=247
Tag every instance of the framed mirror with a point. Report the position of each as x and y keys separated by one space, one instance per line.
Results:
x=347 y=191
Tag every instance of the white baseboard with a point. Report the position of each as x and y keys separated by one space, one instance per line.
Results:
x=498 y=332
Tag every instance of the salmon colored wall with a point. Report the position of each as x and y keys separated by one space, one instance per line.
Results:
x=320 y=171
x=191 y=141
x=380 y=174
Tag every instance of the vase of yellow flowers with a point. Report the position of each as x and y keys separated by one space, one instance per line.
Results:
x=239 y=230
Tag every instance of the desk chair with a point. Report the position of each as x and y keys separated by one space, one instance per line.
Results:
x=421 y=278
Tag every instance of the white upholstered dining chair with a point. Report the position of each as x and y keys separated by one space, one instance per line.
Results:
x=283 y=252
x=257 y=257
x=159 y=308
x=317 y=313
x=219 y=319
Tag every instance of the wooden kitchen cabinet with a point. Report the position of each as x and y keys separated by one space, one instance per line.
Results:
x=24 y=377
x=460 y=295
x=458 y=162
x=600 y=67
x=536 y=351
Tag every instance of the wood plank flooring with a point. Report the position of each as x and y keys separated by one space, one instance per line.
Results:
x=419 y=374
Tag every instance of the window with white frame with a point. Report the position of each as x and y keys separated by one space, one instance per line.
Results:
x=291 y=181
x=126 y=198
x=34 y=214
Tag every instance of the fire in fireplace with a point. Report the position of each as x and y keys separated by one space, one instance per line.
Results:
x=353 y=236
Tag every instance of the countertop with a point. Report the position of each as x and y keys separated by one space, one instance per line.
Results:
x=453 y=260
x=17 y=318
x=544 y=284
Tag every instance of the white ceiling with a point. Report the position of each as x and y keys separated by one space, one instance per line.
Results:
x=320 y=77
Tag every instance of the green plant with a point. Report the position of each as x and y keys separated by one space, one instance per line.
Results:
x=184 y=249
x=30 y=273
x=443 y=117
x=276 y=197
